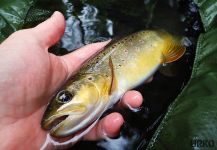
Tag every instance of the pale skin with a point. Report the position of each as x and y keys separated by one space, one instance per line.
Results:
x=29 y=76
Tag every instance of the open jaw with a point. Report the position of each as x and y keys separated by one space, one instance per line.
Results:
x=53 y=123
x=58 y=132
x=70 y=124
x=72 y=135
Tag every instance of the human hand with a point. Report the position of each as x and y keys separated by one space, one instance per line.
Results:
x=30 y=76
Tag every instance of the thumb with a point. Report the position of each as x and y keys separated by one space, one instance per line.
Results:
x=51 y=30
x=74 y=60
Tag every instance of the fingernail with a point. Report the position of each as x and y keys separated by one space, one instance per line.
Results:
x=56 y=12
x=116 y=120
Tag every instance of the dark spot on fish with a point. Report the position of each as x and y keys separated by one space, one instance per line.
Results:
x=119 y=65
x=65 y=96
x=90 y=78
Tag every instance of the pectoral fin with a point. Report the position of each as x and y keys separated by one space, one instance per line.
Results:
x=113 y=85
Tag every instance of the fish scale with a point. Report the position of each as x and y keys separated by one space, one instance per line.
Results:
x=121 y=66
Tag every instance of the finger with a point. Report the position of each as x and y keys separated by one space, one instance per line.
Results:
x=76 y=59
x=131 y=99
x=51 y=30
x=109 y=126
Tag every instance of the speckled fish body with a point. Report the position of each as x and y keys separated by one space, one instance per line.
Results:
x=121 y=66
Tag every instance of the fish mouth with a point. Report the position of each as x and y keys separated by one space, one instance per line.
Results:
x=62 y=135
x=55 y=127
x=50 y=124
x=70 y=124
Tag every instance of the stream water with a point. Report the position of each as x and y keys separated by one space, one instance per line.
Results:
x=96 y=20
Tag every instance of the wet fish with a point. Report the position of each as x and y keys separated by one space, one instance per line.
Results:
x=98 y=85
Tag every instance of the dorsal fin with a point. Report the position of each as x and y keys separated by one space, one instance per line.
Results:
x=113 y=85
x=173 y=50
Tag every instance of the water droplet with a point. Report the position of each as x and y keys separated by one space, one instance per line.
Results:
x=193 y=7
x=186 y=41
x=196 y=25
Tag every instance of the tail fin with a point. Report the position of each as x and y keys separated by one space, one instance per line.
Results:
x=173 y=50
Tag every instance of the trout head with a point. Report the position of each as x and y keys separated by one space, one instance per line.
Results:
x=78 y=104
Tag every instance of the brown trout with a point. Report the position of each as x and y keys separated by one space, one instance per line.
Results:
x=99 y=84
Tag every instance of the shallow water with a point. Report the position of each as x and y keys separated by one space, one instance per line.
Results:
x=90 y=21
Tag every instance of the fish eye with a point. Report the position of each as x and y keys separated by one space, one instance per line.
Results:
x=64 y=96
